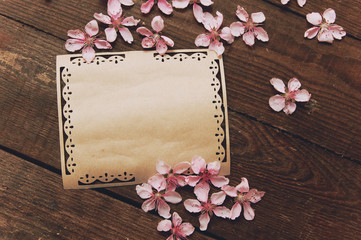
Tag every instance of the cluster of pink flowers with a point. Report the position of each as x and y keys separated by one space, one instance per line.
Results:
x=161 y=189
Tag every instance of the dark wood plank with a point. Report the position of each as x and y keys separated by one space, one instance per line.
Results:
x=35 y=206
x=312 y=192
x=323 y=69
x=347 y=12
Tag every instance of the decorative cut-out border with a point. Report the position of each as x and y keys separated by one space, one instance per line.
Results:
x=69 y=145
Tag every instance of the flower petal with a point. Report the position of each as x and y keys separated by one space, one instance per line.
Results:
x=147 y=6
x=77 y=34
x=235 y=211
x=148 y=42
x=290 y=108
x=144 y=31
x=158 y=182
x=157 y=23
x=301 y=2
x=162 y=167
x=258 y=17
x=237 y=29
x=103 y=18
x=172 y=197
x=202 y=40
x=130 y=21
x=254 y=195
x=206 y=2
x=278 y=84
x=230 y=191
x=261 y=34
x=222 y=212
x=161 y=47
x=193 y=205
x=201 y=190
x=163 y=209
x=193 y=180
x=325 y=36
x=227 y=35
x=181 y=167
x=314 y=18
x=88 y=54
x=242 y=14
x=329 y=15
x=214 y=167
x=73 y=45
x=243 y=186
x=248 y=38
x=302 y=96
x=186 y=229
x=248 y=212
x=102 y=44
x=284 y=1
x=219 y=181
x=144 y=191
x=217 y=46
x=114 y=9
x=198 y=13
x=218 y=198
x=148 y=205
x=127 y=2
x=198 y=165
x=126 y=34
x=92 y=28
x=337 y=31
x=293 y=84
x=164 y=225
x=165 y=7
x=203 y=221
x=168 y=41
x=277 y=102
x=218 y=20
x=311 y=32
x=176 y=219
x=180 y=4
x=181 y=180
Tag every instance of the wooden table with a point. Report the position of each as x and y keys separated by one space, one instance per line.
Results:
x=308 y=163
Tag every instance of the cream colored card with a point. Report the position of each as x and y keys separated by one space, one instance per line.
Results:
x=121 y=113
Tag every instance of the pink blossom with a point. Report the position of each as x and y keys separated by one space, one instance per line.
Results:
x=157 y=39
x=212 y=39
x=86 y=41
x=179 y=230
x=249 y=26
x=206 y=173
x=324 y=28
x=173 y=176
x=116 y=22
x=157 y=199
x=207 y=208
x=290 y=95
x=197 y=10
x=243 y=196
x=163 y=5
x=300 y=2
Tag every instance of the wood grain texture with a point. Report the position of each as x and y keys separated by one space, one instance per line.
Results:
x=35 y=206
x=330 y=72
x=311 y=193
